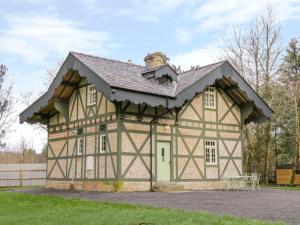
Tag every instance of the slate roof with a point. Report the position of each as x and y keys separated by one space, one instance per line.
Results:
x=123 y=75
x=188 y=78
x=129 y=76
x=121 y=81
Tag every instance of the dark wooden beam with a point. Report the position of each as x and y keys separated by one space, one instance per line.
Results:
x=246 y=110
x=63 y=108
x=69 y=84
x=232 y=87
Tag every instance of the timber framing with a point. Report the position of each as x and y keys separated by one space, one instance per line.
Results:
x=114 y=141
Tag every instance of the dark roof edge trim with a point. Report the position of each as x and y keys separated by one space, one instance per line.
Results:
x=119 y=94
x=72 y=63
x=224 y=70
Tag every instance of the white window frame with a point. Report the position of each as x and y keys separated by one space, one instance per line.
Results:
x=92 y=95
x=210 y=98
x=103 y=143
x=211 y=157
x=80 y=146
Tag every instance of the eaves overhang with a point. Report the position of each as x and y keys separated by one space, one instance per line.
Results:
x=113 y=93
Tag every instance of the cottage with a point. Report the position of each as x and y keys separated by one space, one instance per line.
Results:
x=115 y=125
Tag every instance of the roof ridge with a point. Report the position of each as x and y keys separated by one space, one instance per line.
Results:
x=201 y=67
x=114 y=60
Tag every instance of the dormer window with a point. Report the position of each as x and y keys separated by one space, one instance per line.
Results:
x=92 y=95
x=166 y=80
x=164 y=75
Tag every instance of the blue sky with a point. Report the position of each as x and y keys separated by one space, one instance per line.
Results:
x=35 y=35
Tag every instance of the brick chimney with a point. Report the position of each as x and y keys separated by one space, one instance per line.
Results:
x=155 y=59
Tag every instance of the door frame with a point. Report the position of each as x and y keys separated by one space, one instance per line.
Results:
x=171 y=158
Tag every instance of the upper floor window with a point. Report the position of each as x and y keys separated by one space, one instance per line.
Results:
x=210 y=98
x=210 y=152
x=92 y=95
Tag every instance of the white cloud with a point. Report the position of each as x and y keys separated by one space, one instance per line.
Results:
x=35 y=38
x=151 y=10
x=184 y=35
x=201 y=56
x=141 y=10
x=217 y=15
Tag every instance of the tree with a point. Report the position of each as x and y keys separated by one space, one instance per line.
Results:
x=45 y=150
x=255 y=54
x=51 y=73
x=27 y=152
x=291 y=78
x=6 y=101
x=27 y=96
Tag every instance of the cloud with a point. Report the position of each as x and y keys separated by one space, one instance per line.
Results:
x=140 y=10
x=218 y=15
x=200 y=56
x=184 y=35
x=35 y=38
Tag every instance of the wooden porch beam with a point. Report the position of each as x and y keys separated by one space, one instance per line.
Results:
x=69 y=84
x=63 y=108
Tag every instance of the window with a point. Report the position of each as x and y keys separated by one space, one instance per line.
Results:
x=103 y=143
x=210 y=98
x=80 y=146
x=210 y=152
x=92 y=94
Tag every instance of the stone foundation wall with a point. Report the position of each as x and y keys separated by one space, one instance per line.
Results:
x=112 y=186
x=205 y=185
x=82 y=185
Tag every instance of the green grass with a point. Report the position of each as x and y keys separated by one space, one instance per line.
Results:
x=18 y=188
x=18 y=208
x=280 y=187
x=285 y=187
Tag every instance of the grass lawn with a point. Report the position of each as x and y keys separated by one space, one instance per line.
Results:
x=282 y=187
x=18 y=208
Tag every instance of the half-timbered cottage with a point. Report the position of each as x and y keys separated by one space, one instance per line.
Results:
x=115 y=125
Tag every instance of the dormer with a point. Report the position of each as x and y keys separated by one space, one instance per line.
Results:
x=158 y=70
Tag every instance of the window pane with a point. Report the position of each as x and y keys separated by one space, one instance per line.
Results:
x=207 y=155
x=103 y=143
x=210 y=152
x=213 y=155
x=206 y=100
x=80 y=146
x=92 y=95
x=209 y=97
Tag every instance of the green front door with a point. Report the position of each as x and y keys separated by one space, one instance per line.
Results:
x=163 y=161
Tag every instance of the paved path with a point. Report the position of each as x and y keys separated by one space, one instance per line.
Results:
x=266 y=204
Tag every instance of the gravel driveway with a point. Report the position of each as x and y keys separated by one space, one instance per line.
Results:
x=266 y=204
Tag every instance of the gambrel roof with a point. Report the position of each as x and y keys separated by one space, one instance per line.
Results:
x=124 y=81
